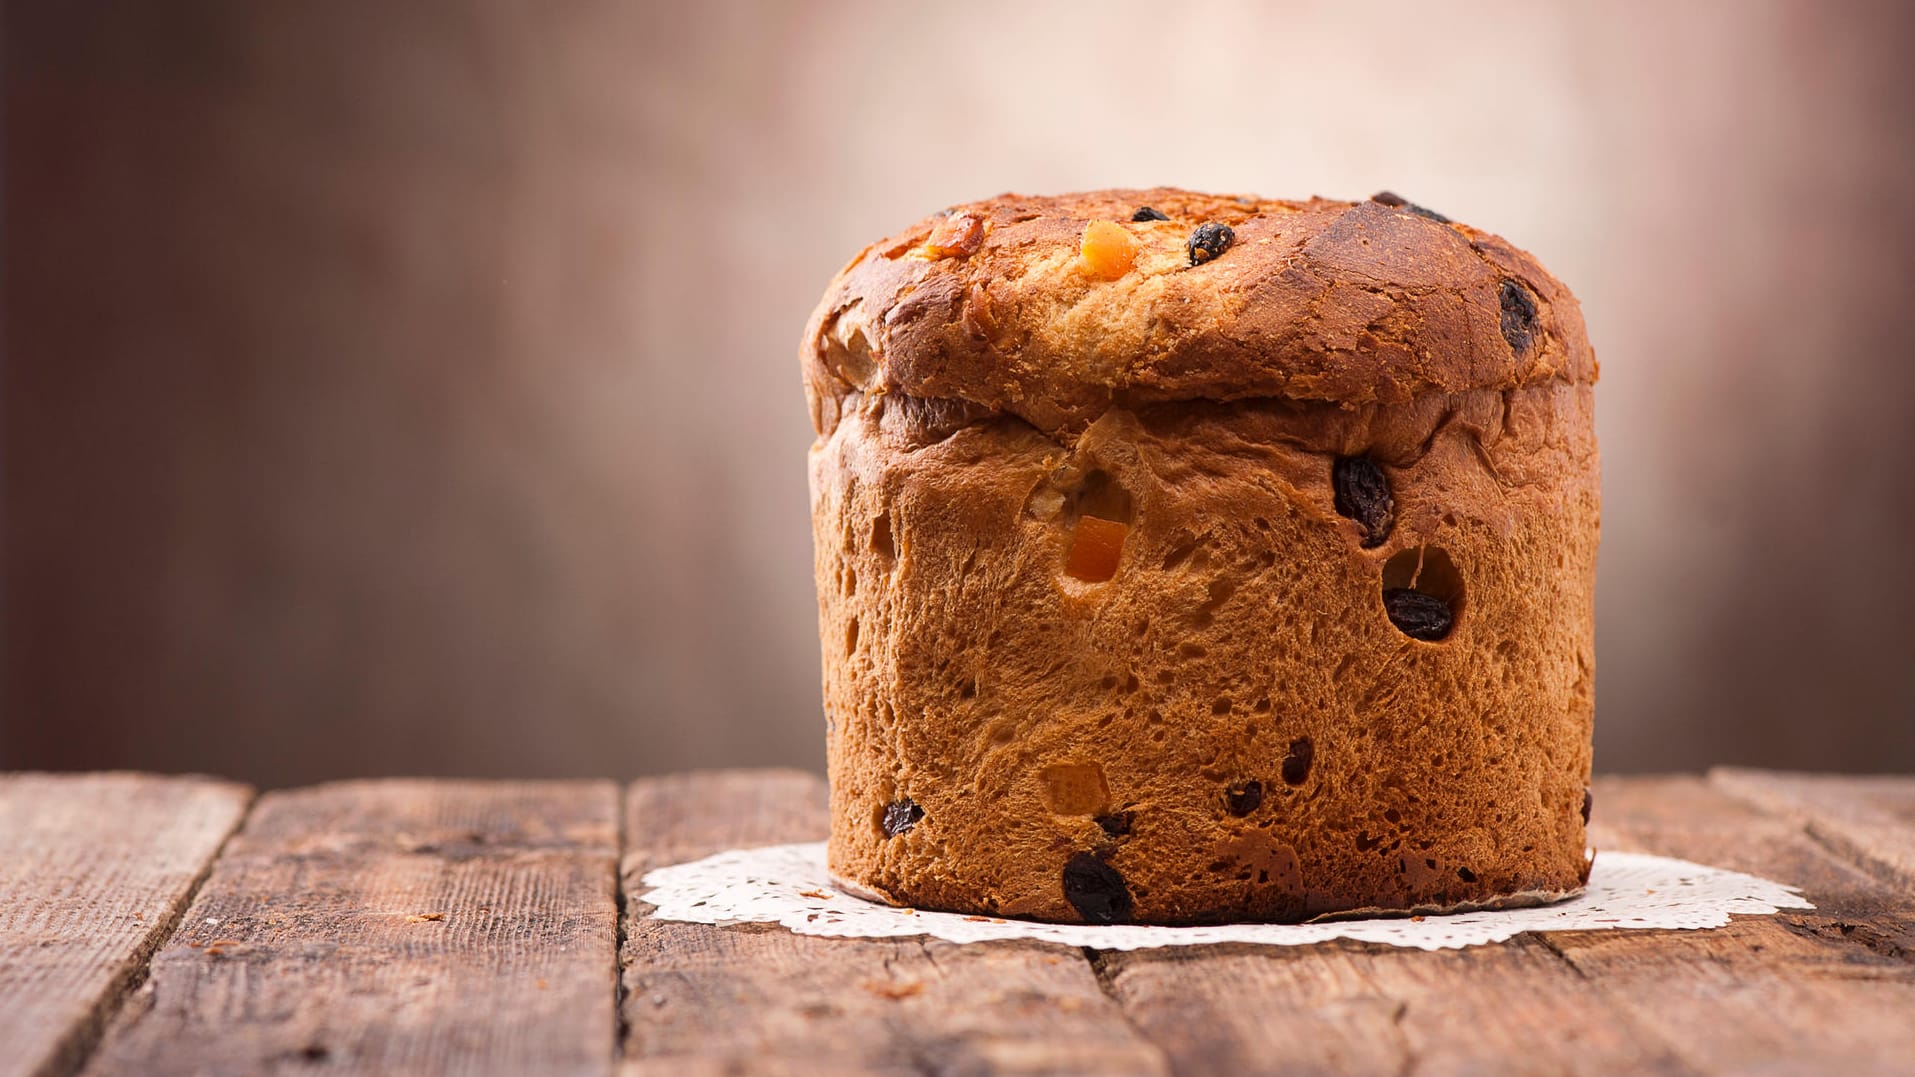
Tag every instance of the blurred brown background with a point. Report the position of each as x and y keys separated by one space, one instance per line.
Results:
x=411 y=387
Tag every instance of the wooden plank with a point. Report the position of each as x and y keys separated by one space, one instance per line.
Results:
x=394 y=927
x=705 y=999
x=1792 y=993
x=1349 y=1007
x=1825 y=991
x=1868 y=820
x=94 y=872
x=1697 y=820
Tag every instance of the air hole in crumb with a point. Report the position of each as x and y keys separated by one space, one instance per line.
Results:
x=851 y=636
x=881 y=541
x=1296 y=765
x=1192 y=650
x=1220 y=590
x=1131 y=683
x=1221 y=706
x=1466 y=875
x=1102 y=497
x=1427 y=569
x=1179 y=554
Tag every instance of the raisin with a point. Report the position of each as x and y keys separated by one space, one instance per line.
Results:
x=1589 y=802
x=1391 y=198
x=900 y=816
x=1296 y=765
x=1242 y=798
x=1096 y=890
x=1116 y=824
x=1466 y=875
x=1519 y=315
x=1419 y=616
x=1208 y=241
x=1145 y=213
x=1363 y=495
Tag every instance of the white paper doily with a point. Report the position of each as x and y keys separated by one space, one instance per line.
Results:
x=789 y=885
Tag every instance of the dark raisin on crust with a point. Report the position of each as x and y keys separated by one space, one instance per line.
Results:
x=1589 y=801
x=1519 y=315
x=1391 y=198
x=1146 y=213
x=1363 y=495
x=1208 y=241
x=1417 y=615
x=1242 y=798
x=1096 y=890
x=1296 y=765
x=1116 y=824
x=901 y=815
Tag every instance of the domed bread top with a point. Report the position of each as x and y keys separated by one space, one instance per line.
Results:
x=1015 y=305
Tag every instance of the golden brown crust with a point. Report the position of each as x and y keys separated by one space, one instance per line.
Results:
x=965 y=671
x=1215 y=712
x=1352 y=303
x=1027 y=714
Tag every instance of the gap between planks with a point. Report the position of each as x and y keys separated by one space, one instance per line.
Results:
x=393 y=926
x=695 y=998
x=96 y=872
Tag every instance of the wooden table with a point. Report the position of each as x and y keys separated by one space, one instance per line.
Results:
x=156 y=925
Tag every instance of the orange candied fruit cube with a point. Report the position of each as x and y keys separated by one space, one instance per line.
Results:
x=956 y=236
x=1096 y=546
x=1108 y=251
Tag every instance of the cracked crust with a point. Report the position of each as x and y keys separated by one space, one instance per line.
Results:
x=1350 y=303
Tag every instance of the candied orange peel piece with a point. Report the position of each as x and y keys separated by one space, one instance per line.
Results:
x=956 y=236
x=1096 y=547
x=1108 y=250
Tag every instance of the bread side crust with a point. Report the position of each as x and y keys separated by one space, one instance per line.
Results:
x=1031 y=715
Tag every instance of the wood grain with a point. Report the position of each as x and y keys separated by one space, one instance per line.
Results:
x=94 y=872
x=1869 y=821
x=394 y=927
x=1827 y=991
x=704 y=999
x=1824 y=991
x=1351 y=1007
x=426 y=927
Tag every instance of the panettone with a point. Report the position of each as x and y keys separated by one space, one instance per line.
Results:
x=1186 y=558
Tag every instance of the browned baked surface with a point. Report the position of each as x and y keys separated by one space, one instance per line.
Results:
x=1320 y=300
x=1233 y=725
